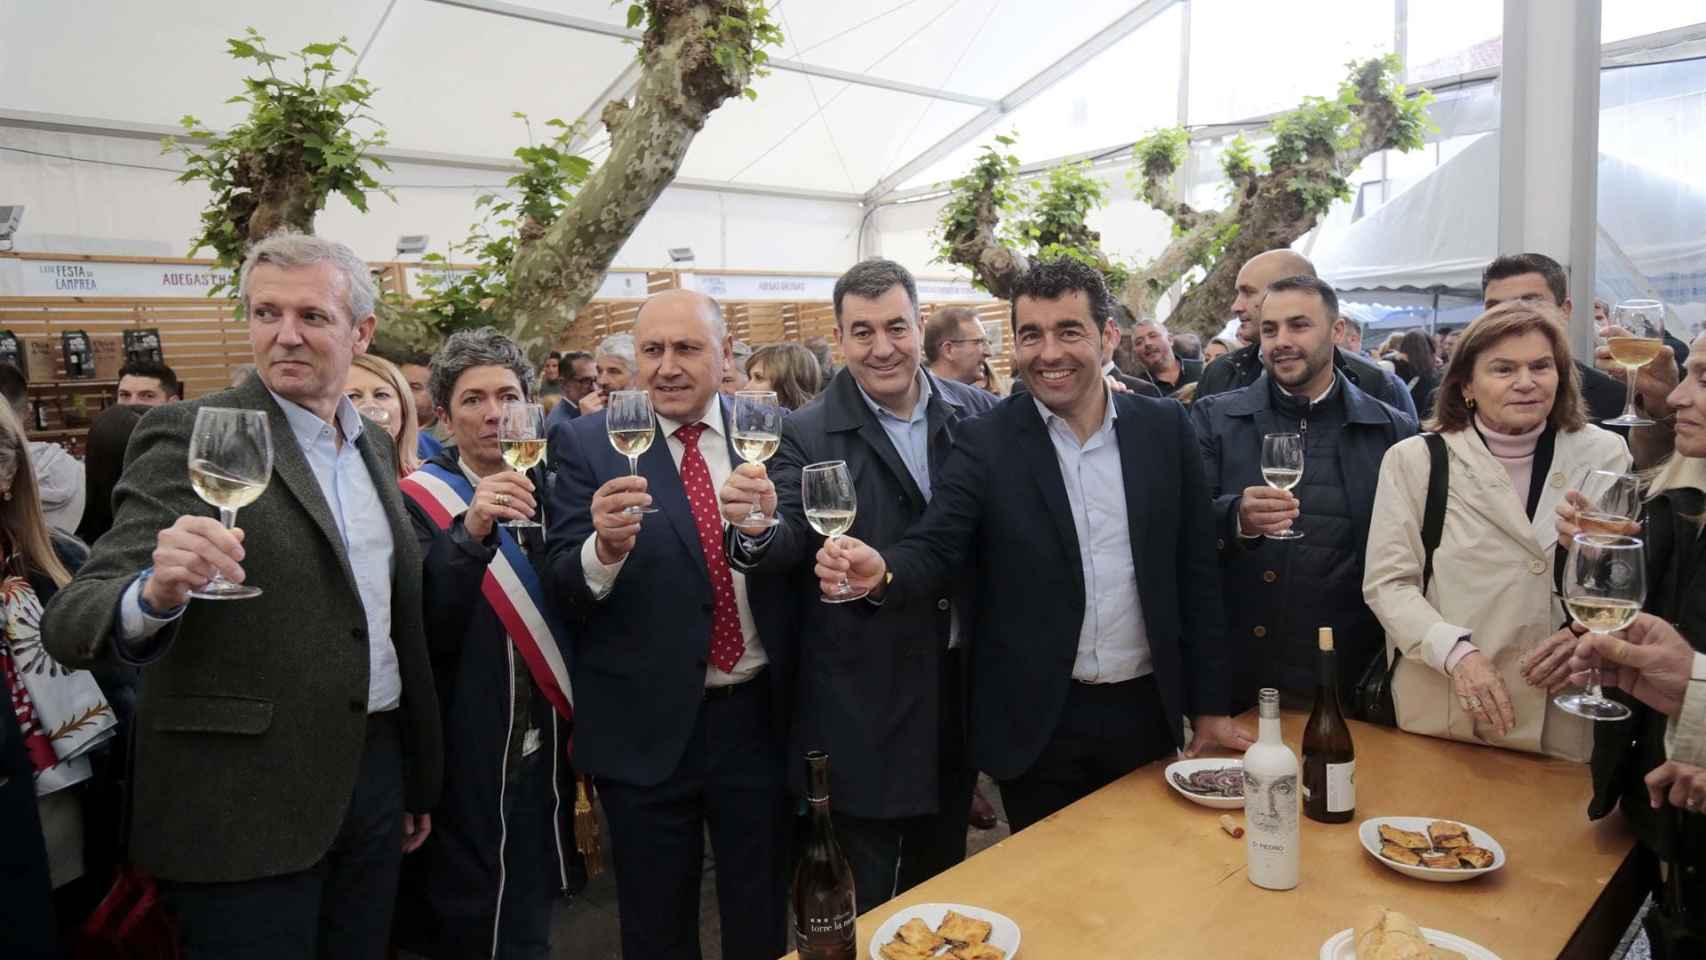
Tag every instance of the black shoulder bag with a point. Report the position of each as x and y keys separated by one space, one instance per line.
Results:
x=1374 y=689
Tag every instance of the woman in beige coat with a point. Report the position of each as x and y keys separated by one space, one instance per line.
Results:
x=1510 y=411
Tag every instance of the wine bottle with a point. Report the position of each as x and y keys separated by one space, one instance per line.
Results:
x=1270 y=803
x=1329 y=758
x=824 y=912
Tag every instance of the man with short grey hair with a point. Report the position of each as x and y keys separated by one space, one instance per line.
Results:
x=288 y=746
x=614 y=360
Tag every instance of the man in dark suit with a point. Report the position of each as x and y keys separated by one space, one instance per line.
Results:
x=1154 y=347
x=677 y=687
x=1084 y=519
x=281 y=739
x=881 y=688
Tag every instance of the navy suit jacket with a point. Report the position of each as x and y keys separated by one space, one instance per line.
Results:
x=640 y=657
x=1000 y=507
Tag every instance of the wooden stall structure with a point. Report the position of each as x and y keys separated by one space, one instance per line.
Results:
x=44 y=295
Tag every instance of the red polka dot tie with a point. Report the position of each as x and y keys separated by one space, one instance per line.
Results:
x=727 y=644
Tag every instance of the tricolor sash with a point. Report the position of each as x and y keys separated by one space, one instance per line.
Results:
x=510 y=586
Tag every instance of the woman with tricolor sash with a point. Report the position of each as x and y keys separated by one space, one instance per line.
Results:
x=484 y=882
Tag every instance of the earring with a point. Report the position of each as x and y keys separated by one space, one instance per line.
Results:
x=6 y=496
x=1470 y=401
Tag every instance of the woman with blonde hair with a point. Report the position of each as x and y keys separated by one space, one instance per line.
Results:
x=381 y=392
x=789 y=369
x=59 y=718
x=1509 y=413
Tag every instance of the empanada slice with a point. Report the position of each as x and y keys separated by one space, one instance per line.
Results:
x=1446 y=835
x=1397 y=854
x=1474 y=858
x=901 y=950
x=917 y=933
x=978 y=951
x=961 y=929
x=1440 y=860
x=1408 y=839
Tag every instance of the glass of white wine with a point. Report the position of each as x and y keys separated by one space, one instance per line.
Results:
x=629 y=422
x=1644 y=321
x=1611 y=501
x=1282 y=468
x=1605 y=585
x=831 y=504
x=377 y=414
x=521 y=433
x=758 y=433
x=230 y=463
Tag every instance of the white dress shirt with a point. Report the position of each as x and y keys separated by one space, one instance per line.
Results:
x=1113 y=645
x=601 y=576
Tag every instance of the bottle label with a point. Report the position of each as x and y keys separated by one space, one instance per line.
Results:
x=826 y=931
x=1341 y=787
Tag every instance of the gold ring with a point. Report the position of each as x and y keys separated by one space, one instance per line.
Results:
x=501 y=499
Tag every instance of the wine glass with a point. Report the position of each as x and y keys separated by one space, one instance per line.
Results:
x=1611 y=501
x=831 y=504
x=1605 y=585
x=629 y=421
x=230 y=462
x=758 y=432
x=521 y=433
x=1644 y=321
x=377 y=414
x=1282 y=468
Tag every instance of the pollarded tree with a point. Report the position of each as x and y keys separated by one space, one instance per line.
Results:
x=1314 y=151
x=298 y=146
x=694 y=55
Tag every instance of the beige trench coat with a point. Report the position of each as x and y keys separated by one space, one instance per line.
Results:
x=1492 y=583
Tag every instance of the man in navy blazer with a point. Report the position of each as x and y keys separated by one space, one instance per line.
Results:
x=677 y=691
x=1085 y=521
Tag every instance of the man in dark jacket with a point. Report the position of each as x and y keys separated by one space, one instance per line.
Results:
x=881 y=689
x=1241 y=367
x=1279 y=592
x=484 y=883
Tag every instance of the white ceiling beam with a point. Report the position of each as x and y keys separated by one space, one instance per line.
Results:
x=586 y=25
x=91 y=126
x=1049 y=76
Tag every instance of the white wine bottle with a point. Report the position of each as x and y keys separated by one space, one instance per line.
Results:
x=1329 y=757
x=1271 y=841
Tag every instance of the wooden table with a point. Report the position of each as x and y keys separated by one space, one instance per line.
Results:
x=1135 y=870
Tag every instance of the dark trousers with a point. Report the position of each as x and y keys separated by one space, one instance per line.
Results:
x=532 y=872
x=730 y=784
x=1105 y=732
x=340 y=907
x=890 y=856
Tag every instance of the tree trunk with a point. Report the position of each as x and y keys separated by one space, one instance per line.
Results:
x=559 y=272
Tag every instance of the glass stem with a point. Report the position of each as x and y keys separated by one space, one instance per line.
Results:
x=843 y=588
x=1629 y=404
x=633 y=465
x=228 y=517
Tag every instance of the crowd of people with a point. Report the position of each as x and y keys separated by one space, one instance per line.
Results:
x=1054 y=585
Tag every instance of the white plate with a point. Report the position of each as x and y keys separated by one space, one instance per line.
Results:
x=1369 y=832
x=1185 y=768
x=1003 y=933
x=1343 y=945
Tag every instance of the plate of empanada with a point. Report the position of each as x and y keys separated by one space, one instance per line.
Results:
x=1428 y=848
x=945 y=931
x=1389 y=935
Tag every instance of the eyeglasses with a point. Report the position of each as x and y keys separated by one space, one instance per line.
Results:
x=585 y=381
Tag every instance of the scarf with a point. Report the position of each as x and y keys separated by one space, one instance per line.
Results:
x=61 y=712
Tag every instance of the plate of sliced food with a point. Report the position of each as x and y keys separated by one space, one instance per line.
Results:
x=1216 y=782
x=1427 y=848
x=945 y=931
x=1390 y=935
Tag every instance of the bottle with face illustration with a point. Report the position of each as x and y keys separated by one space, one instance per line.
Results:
x=1271 y=841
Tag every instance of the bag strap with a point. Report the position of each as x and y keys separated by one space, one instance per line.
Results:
x=1433 y=514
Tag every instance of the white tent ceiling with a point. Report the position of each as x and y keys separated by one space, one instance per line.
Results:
x=870 y=85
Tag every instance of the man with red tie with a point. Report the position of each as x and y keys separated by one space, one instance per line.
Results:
x=679 y=701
